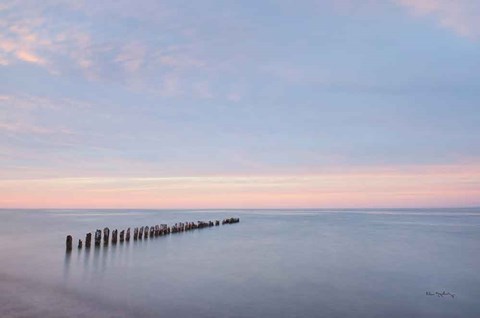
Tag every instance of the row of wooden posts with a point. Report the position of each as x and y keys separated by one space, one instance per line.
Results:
x=143 y=232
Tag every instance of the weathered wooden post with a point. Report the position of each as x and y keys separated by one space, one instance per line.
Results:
x=106 y=235
x=122 y=236
x=127 y=237
x=80 y=244
x=98 y=237
x=114 y=236
x=152 y=231
x=88 y=240
x=69 y=243
x=135 y=233
x=140 y=233
x=146 y=231
x=217 y=223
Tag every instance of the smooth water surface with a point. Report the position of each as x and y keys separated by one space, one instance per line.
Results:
x=274 y=263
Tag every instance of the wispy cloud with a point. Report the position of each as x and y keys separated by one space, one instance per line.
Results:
x=20 y=40
x=20 y=115
x=30 y=57
x=40 y=33
x=460 y=16
x=27 y=128
x=131 y=57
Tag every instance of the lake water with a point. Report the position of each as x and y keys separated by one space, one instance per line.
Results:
x=274 y=263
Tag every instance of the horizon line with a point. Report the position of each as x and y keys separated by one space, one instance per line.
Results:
x=237 y=209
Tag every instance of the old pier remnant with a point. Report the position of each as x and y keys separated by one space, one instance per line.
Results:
x=88 y=240
x=114 y=236
x=135 y=233
x=231 y=221
x=106 y=235
x=98 y=237
x=69 y=243
x=145 y=232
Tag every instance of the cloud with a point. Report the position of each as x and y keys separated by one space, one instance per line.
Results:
x=131 y=57
x=43 y=34
x=30 y=57
x=20 y=115
x=19 y=40
x=25 y=128
x=460 y=16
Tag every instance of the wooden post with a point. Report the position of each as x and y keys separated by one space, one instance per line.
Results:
x=80 y=244
x=146 y=231
x=135 y=233
x=122 y=236
x=127 y=237
x=88 y=240
x=114 y=236
x=106 y=235
x=69 y=243
x=98 y=237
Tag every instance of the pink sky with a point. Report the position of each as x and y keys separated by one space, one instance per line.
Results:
x=422 y=186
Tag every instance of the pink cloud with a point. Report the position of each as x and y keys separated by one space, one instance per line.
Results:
x=30 y=57
x=460 y=16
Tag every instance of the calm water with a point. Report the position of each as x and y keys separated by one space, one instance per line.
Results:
x=372 y=263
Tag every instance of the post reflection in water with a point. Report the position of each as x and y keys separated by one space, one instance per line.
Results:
x=66 y=263
x=98 y=259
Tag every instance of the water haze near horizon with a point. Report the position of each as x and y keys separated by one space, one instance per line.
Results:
x=274 y=263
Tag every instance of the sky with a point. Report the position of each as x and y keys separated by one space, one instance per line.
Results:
x=239 y=104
